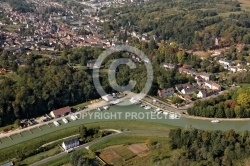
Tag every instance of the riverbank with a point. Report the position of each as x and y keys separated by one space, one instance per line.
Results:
x=220 y=119
x=184 y=114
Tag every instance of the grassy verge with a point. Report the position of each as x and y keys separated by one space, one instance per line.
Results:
x=245 y=85
x=41 y=156
x=64 y=160
x=58 y=162
x=11 y=126
x=81 y=105
x=126 y=140
x=131 y=125
x=28 y=148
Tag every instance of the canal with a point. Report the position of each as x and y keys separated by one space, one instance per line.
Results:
x=130 y=112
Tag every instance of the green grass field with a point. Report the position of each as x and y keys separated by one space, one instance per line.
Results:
x=127 y=140
x=58 y=162
x=245 y=85
x=41 y=156
x=64 y=160
x=29 y=146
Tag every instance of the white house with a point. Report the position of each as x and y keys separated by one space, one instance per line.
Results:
x=93 y=64
x=225 y=62
x=201 y=94
x=166 y=92
x=108 y=98
x=212 y=85
x=188 y=90
x=233 y=69
x=205 y=76
x=169 y=66
x=70 y=144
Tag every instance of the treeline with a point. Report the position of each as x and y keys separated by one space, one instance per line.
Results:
x=211 y=147
x=192 y=24
x=38 y=89
x=231 y=105
x=45 y=83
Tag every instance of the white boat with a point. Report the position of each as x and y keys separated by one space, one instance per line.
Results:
x=133 y=101
x=165 y=113
x=106 y=107
x=215 y=121
x=56 y=123
x=177 y=116
x=171 y=116
x=147 y=107
x=159 y=112
x=142 y=105
x=99 y=109
x=65 y=120
x=115 y=102
x=73 y=117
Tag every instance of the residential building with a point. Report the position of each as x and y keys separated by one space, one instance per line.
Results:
x=199 y=80
x=166 y=92
x=202 y=94
x=225 y=63
x=233 y=69
x=179 y=87
x=8 y=164
x=184 y=67
x=205 y=76
x=3 y=71
x=189 y=72
x=60 y=112
x=168 y=66
x=108 y=97
x=92 y=64
x=212 y=85
x=188 y=90
x=70 y=144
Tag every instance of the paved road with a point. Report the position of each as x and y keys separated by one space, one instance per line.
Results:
x=80 y=147
x=97 y=141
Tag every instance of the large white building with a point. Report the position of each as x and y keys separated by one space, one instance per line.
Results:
x=69 y=144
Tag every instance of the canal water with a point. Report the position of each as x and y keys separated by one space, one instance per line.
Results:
x=130 y=112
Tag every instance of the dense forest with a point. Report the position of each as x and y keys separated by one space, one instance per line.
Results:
x=43 y=83
x=193 y=24
x=211 y=147
x=231 y=105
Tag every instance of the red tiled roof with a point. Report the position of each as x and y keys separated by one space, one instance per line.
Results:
x=61 y=111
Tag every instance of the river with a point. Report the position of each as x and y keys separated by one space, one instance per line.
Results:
x=130 y=112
